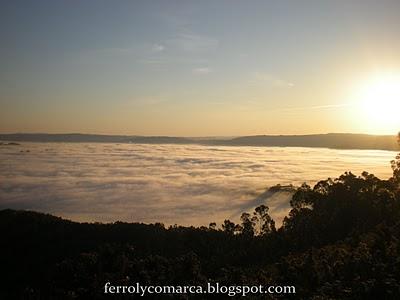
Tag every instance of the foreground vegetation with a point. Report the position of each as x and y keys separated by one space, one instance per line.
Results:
x=341 y=240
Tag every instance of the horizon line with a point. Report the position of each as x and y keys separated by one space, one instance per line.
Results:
x=195 y=136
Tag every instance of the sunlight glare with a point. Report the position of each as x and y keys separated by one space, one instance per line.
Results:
x=379 y=103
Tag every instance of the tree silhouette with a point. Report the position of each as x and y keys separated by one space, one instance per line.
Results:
x=396 y=163
x=263 y=222
x=247 y=225
x=229 y=227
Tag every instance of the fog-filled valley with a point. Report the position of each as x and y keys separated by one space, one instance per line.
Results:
x=173 y=184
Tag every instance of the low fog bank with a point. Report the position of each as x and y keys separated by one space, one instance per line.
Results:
x=169 y=183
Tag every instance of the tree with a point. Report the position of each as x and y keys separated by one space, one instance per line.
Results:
x=212 y=226
x=263 y=220
x=247 y=225
x=303 y=197
x=229 y=227
x=396 y=163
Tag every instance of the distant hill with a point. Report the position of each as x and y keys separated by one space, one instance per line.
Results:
x=91 y=138
x=330 y=140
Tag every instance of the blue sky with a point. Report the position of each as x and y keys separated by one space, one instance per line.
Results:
x=192 y=68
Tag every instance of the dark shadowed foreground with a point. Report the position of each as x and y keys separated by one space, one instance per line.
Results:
x=341 y=240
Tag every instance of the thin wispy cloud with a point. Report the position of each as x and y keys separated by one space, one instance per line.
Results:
x=316 y=107
x=202 y=71
x=157 y=48
x=172 y=59
x=193 y=43
x=150 y=61
x=261 y=78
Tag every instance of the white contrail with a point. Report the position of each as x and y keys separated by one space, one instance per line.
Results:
x=316 y=107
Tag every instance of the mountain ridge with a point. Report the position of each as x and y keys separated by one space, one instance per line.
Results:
x=328 y=140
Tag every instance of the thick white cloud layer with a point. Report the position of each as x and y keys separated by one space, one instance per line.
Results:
x=183 y=184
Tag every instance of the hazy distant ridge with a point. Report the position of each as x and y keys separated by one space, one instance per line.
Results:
x=330 y=140
x=92 y=138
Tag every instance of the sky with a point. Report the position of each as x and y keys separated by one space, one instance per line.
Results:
x=196 y=68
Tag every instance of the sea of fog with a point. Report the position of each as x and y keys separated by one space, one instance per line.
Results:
x=183 y=184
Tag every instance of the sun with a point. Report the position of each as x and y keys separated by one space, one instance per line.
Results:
x=379 y=103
